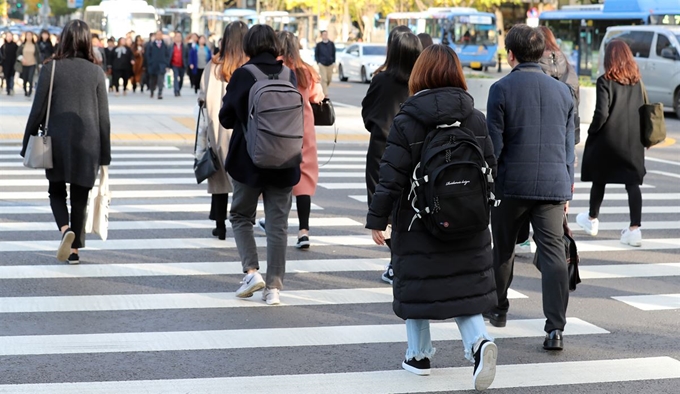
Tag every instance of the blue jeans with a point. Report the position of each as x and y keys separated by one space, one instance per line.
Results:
x=472 y=329
x=178 y=77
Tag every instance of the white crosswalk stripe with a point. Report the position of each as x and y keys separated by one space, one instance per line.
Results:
x=160 y=260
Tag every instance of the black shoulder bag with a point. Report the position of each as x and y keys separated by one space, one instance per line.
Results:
x=208 y=164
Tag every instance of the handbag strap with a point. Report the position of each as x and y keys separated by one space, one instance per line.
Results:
x=198 y=123
x=49 y=99
x=645 y=97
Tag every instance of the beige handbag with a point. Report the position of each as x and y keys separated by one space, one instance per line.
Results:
x=39 y=149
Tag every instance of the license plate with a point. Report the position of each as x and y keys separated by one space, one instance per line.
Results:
x=475 y=65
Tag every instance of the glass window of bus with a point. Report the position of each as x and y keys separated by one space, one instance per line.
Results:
x=473 y=30
x=144 y=23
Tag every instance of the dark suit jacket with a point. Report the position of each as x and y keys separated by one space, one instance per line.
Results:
x=158 y=59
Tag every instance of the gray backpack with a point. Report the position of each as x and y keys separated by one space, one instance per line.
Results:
x=275 y=120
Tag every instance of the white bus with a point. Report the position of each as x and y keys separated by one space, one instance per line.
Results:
x=116 y=18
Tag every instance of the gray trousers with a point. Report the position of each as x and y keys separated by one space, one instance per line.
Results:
x=277 y=204
x=546 y=218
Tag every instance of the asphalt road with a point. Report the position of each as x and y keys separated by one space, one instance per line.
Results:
x=151 y=310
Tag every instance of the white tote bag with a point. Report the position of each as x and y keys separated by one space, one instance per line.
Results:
x=98 y=207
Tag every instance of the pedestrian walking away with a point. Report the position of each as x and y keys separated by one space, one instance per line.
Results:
x=250 y=182
x=388 y=90
x=179 y=61
x=28 y=58
x=614 y=152
x=122 y=66
x=8 y=58
x=79 y=128
x=324 y=55
x=199 y=57
x=213 y=85
x=530 y=117
x=312 y=92
x=158 y=61
x=433 y=278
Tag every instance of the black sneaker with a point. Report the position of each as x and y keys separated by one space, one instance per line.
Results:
x=418 y=367
x=388 y=275
x=485 y=365
x=74 y=258
x=303 y=242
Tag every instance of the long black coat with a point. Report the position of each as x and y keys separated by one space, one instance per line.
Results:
x=8 y=55
x=432 y=279
x=378 y=109
x=614 y=152
x=79 y=123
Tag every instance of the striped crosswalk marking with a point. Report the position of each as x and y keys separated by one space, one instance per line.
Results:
x=262 y=338
x=133 y=208
x=652 y=302
x=512 y=376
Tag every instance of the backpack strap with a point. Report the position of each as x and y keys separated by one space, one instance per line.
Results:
x=284 y=75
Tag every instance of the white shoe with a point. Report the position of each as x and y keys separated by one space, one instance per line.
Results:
x=485 y=365
x=632 y=238
x=591 y=227
x=250 y=284
x=271 y=296
x=523 y=248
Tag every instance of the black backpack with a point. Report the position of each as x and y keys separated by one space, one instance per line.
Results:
x=451 y=189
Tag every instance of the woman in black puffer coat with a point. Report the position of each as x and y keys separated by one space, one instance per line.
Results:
x=434 y=279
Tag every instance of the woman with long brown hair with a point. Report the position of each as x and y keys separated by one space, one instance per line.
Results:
x=213 y=85
x=308 y=83
x=614 y=152
x=434 y=279
x=138 y=65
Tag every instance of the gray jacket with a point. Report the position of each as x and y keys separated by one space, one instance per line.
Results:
x=79 y=121
x=530 y=117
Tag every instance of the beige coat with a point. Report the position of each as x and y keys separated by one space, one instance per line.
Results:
x=212 y=91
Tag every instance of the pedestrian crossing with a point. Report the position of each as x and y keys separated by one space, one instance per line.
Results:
x=160 y=267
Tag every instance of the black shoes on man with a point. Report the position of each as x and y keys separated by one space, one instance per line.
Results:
x=553 y=340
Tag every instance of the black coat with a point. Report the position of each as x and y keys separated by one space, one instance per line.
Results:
x=378 y=109
x=46 y=49
x=122 y=59
x=432 y=279
x=234 y=115
x=531 y=123
x=556 y=65
x=614 y=152
x=157 y=59
x=8 y=55
x=79 y=123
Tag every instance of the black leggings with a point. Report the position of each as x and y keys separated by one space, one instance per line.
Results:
x=304 y=209
x=79 y=196
x=634 y=202
x=218 y=209
x=117 y=75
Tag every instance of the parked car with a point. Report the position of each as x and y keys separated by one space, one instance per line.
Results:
x=657 y=52
x=359 y=61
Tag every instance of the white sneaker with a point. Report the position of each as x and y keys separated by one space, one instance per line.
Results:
x=591 y=227
x=271 y=296
x=523 y=248
x=632 y=238
x=250 y=284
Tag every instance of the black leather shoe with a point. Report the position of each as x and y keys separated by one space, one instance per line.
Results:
x=220 y=233
x=553 y=340
x=496 y=319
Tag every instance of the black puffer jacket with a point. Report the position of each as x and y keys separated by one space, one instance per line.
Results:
x=432 y=279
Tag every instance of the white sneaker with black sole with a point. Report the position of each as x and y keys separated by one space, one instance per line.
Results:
x=388 y=275
x=418 y=367
x=271 y=296
x=250 y=284
x=65 y=245
x=485 y=365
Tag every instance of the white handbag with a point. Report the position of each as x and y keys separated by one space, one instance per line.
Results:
x=98 y=207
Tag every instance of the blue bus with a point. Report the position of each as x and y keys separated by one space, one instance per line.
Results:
x=580 y=29
x=472 y=34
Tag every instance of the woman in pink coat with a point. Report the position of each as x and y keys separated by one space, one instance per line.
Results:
x=309 y=86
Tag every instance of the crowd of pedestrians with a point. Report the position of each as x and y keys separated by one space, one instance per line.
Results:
x=422 y=123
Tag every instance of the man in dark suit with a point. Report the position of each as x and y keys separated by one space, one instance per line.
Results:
x=158 y=60
x=530 y=118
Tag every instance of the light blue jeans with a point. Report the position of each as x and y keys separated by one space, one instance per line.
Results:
x=472 y=329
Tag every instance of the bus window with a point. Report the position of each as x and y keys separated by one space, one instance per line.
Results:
x=473 y=30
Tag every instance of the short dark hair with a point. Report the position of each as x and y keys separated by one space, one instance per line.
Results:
x=526 y=43
x=260 y=39
x=323 y=31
